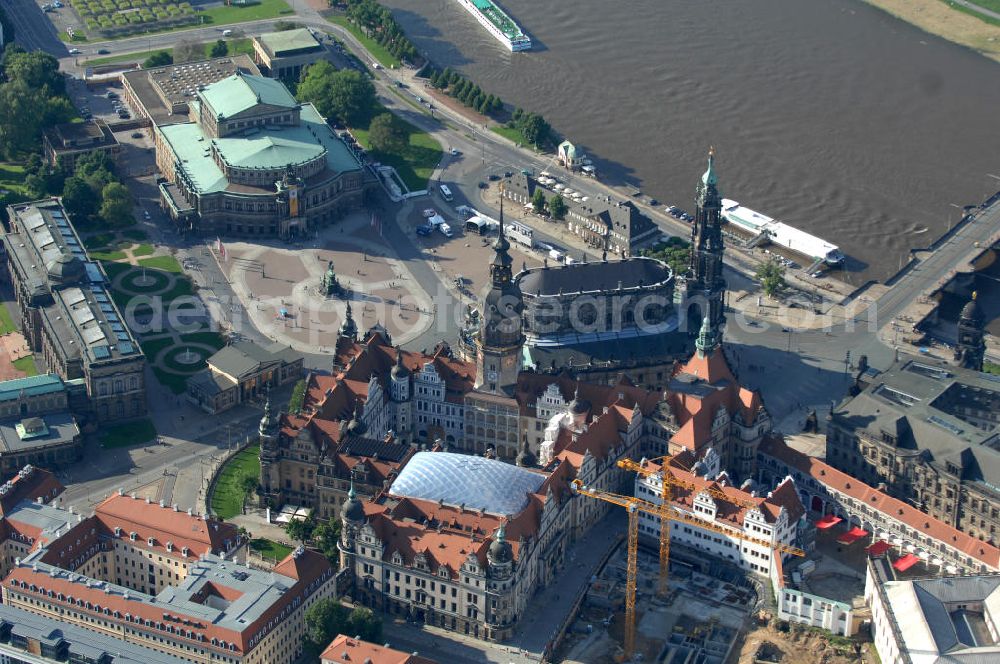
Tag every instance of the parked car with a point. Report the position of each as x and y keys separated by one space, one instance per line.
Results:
x=145 y=215
x=445 y=230
x=425 y=230
x=74 y=51
x=483 y=185
x=111 y=94
x=137 y=134
x=494 y=177
x=429 y=212
x=454 y=152
x=103 y=51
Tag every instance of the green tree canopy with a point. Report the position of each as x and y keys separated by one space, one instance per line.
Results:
x=534 y=128
x=37 y=69
x=771 y=275
x=675 y=252
x=557 y=207
x=219 y=49
x=158 y=59
x=325 y=619
x=116 y=205
x=345 y=94
x=387 y=133
x=78 y=198
x=538 y=200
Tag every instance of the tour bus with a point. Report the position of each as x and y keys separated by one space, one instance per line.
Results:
x=445 y=192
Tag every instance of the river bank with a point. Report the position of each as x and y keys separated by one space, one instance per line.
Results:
x=937 y=18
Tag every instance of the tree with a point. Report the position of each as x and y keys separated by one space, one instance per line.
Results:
x=282 y=26
x=219 y=49
x=326 y=618
x=364 y=623
x=771 y=275
x=188 y=51
x=675 y=252
x=116 y=205
x=387 y=133
x=20 y=120
x=158 y=59
x=325 y=537
x=37 y=69
x=301 y=530
x=78 y=198
x=345 y=94
x=248 y=485
x=534 y=128
x=538 y=200
x=557 y=207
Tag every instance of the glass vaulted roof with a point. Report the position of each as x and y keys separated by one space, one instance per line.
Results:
x=457 y=479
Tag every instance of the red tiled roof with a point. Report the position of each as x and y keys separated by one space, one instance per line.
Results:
x=29 y=485
x=893 y=508
x=345 y=650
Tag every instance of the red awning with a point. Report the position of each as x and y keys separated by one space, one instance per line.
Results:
x=878 y=548
x=828 y=521
x=852 y=535
x=906 y=562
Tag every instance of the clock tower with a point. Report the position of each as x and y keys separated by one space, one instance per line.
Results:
x=500 y=342
x=705 y=285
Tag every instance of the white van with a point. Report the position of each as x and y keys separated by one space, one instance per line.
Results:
x=227 y=33
x=445 y=192
x=445 y=230
x=556 y=255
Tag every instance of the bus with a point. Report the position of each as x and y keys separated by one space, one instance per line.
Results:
x=519 y=233
x=445 y=192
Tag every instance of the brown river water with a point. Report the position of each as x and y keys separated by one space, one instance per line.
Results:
x=826 y=114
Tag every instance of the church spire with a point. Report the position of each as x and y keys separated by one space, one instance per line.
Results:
x=707 y=340
x=705 y=285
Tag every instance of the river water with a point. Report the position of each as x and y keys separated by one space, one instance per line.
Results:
x=826 y=114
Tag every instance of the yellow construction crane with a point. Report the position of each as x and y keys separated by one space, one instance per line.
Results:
x=636 y=505
x=669 y=481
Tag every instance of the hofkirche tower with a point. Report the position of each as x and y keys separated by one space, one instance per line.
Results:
x=500 y=341
x=705 y=285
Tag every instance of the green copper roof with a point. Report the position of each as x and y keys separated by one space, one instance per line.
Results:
x=279 y=43
x=266 y=150
x=31 y=386
x=241 y=92
x=709 y=177
x=259 y=147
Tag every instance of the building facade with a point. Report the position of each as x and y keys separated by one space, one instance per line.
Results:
x=926 y=432
x=241 y=372
x=64 y=144
x=254 y=161
x=286 y=54
x=68 y=315
x=163 y=579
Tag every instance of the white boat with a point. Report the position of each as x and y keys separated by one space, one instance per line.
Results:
x=781 y=234
x=498 y=24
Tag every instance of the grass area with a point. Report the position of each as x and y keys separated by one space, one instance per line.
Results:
x=986 y=4
x=298 y=396
x=236 y=46
x=165 y=263
x=250 y=12
x=6 y=320
x=227 y=495
x=12 y=178
x=99 y=242
x=143 y=249
x=510 y=134
x=152 y=347
x=77 y=38
x=213 y=339
x=26 y=365
x=137 y=432
x=384 y=57
x=417 y=161
x=113 y=255
x=990 y=368
x=270 y=549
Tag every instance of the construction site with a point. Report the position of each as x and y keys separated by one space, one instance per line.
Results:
x=698 y=620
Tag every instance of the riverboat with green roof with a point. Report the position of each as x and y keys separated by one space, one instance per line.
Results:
x=498 y=24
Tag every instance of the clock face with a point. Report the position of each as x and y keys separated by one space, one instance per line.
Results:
x=509 y=361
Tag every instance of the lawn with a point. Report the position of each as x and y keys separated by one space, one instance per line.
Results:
x=986 y=4
x=6 y=321
x=417 y=161
x=270 y=549
x=12 y=178
x=165 y=263
x=252 y=12
x=143 y=249
x=385 y=58
x=152 y=347
x=136 y=432
x=510 y=134
x=26 y=365
x=227 y=495
x=236 y=46
x=98 y=242
x=112 y=256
